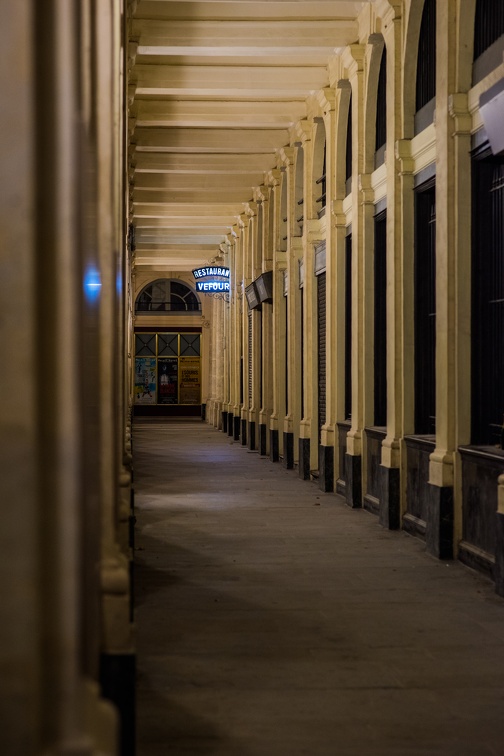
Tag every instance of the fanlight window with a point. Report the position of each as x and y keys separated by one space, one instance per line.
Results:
x=165 y=295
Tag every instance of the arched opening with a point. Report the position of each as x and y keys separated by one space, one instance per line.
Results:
x=488 y=38
x=299 y=190
x=426 y=69
x=319 y=169
x=381 y=112
x=166 y=295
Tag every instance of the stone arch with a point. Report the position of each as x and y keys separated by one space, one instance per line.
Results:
x=344 y=93
x=378 y=49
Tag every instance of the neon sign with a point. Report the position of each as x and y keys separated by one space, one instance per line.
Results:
x=206 y=279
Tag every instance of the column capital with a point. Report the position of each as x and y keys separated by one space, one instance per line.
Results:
x=286 y=155
x=402 y=151
x=338 y=216
x=326 y=98
x=273 y=177
x=353 y=59
x=301 y=132
x=366 y=190
x=458 y=107
x=389 y=10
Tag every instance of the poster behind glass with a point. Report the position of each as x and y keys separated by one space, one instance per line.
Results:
x=145 y=380
x=190 y=382
x=167 y=380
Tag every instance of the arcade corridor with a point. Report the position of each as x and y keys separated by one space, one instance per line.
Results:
x=273 y=620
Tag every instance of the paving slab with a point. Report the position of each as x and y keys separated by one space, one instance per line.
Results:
x=273 y=620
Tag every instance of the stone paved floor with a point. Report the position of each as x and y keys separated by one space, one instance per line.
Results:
x=275 y=621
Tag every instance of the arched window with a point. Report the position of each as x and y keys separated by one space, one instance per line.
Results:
x=381 y=112
x=426 y=68
x=165 y=295
x=283 y=214
x=319 y=168
x=488 y=37
x=300 y=189
x=348 y=156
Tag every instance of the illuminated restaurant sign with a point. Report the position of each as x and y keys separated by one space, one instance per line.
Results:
x=211 y=279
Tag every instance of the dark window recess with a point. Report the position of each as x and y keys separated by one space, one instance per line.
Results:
x=322 y=183
x=301 y=297
x=488 y=302
x=250 y=356
x=321 y=319
x=242 y=380
x=286 y=355
x=425 y=310
x=426 y=64
x=381 y=104
x=488 y=24
x=300 y=218
x=380 y=320
x=259 y=316
x=348 y=327
x=348 y=154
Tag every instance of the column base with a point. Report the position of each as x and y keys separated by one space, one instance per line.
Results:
x=203 y=412
x=243 y=433
x=288 y=459
x=304 y=459
x=230 y=424
x=274 y=447
x=326 y=468
x=224 y=416
x=353 y=488
x=439 y=529
x=117 y=680
x=236 y=428
x=263 y=440
x=390 y=505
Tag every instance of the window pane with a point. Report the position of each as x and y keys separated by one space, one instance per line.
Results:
x=189 y=345
x=167 y=344
x=145 y=344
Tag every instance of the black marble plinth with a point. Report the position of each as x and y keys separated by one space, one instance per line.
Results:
x=263 y=439
x=390 y=505
x=236 y=428
x=243 y=433
x=224 y=422
x=326 y=468
x=288 y=459
x=499 y=554
x=274 y=448
x=304 y=459
x=353 y=488
x=117 y=680
x=230 y=424
x=251 y=436
x=439 y=523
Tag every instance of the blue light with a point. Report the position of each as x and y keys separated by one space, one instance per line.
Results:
x=92 y=284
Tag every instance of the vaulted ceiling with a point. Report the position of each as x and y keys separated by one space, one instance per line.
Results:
x=214 y=87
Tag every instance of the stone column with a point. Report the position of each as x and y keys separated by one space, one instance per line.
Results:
x=353 y=58
x=453 y=269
